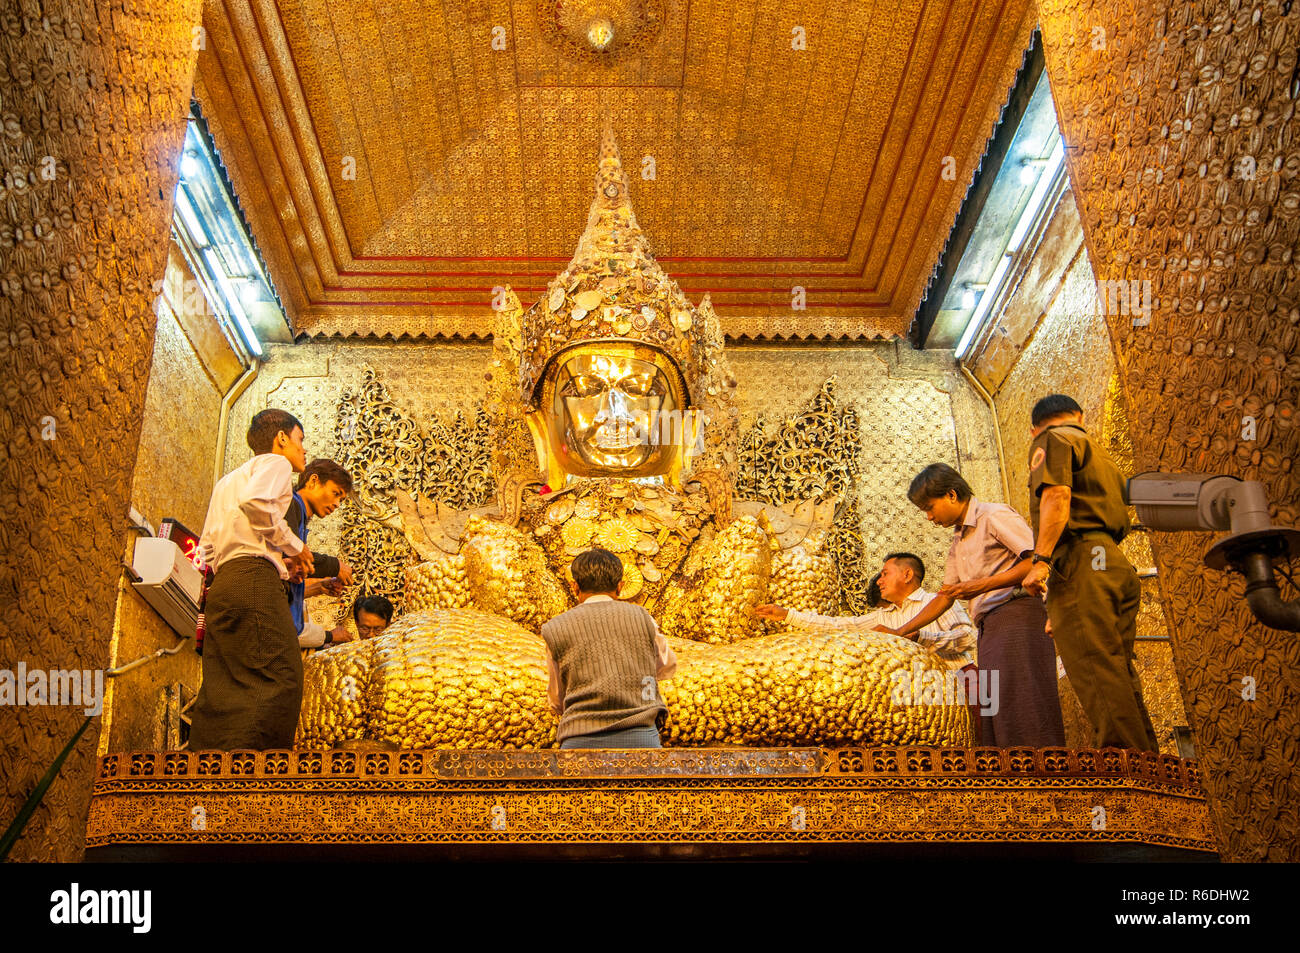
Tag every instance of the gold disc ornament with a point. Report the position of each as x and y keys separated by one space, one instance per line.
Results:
x=589 y=300
x=577 y=532
x=617 y=535
x=560 y=511
x=632 y=582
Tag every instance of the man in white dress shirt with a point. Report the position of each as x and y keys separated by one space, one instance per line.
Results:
x=951 y=636
x=252 y=669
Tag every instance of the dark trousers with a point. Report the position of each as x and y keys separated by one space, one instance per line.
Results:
x=1093 y=597
x=970 y=676
x=1013 y=642
x=252 y=669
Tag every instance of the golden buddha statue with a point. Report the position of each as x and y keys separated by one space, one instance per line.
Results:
x=613 y=425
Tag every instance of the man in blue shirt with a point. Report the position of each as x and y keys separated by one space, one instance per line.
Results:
x=322 y=486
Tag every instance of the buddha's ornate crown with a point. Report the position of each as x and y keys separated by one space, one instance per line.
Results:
x=614 y=290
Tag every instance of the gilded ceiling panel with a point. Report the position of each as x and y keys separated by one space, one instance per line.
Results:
x=399 y=159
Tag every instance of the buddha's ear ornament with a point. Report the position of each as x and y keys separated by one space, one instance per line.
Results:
x=514 y=454
x=716 y=445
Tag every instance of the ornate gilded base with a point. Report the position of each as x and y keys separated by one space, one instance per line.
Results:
x=710 y=802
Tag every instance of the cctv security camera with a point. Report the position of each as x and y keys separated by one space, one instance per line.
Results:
x=1175 y=502
x=1183 y=501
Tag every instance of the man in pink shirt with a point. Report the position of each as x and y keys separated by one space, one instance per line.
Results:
x=988 y=559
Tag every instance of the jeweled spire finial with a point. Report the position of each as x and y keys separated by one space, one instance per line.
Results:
x=612 y=227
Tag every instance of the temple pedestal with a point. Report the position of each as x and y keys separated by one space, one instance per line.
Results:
x=668 y=803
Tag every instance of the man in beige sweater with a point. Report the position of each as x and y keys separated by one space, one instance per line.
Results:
x=604 y=659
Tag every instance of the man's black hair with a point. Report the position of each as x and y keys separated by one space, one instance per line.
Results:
x=266 y=424
x=934 y=482
x=597 y=570
x=326 y=471
x=375 y=605
x=1051 y=406
x=912 y=562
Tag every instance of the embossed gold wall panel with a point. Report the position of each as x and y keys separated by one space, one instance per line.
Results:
x=102 y=89
x=192 y=366
x=1161 y=103
x=1069 y=353
x=1037 y=285
x=908 y=405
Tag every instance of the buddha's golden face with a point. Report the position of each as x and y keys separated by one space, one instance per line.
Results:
x=612 y=409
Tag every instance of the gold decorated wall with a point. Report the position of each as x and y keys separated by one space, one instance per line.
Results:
x=1180 y=121
x=914 y=408
x=1049 y=338
x=94 y=106
x=193 y=366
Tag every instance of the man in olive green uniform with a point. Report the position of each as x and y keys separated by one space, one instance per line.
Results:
x=1076 y=505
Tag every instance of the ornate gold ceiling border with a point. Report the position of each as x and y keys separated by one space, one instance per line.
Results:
x=249 y=94
x=427 y=328
x=969 y=145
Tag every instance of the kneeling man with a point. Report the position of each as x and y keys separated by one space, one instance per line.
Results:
x=950 y=636
x=604 y=658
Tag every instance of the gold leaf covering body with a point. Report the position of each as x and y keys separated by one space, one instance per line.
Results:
x=508 y=574
x=438 y=583
x=804 y=577
x=459 y=678
x=723 y=579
